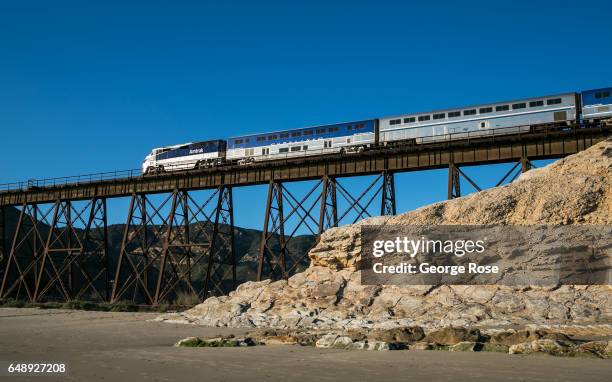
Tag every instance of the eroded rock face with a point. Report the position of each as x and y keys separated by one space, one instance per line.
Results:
x=522 y=336
x=453 y=336
x=329 y=295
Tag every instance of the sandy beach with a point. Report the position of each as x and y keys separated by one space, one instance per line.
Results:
x=103 y=346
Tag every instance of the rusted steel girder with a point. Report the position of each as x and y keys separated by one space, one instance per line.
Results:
x=328 y=217
x=75 y=261
x=3 y=235
x=388 y=206
x=190 y=250
x=53 y=259
x=275 y=258
x=26 y=251
x=455 y=174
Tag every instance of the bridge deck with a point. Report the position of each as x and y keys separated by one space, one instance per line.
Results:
x=476 y=151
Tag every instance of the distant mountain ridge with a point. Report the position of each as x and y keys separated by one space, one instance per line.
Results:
x=246 y=242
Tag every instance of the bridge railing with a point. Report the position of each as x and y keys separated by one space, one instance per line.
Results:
x=72 y=180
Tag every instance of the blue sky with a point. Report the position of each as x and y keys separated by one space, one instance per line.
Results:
x=90 y=87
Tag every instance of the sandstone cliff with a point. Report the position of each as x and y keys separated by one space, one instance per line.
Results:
x=329 y=295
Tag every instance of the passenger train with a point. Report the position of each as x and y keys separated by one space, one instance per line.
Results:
x=510 y=117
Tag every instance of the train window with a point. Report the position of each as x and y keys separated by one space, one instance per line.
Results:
x=502 y=107
x=238 y=141
x=469 y=112
x=283 y=150
x=333 y=129
x=553 y=101
x=247 y=140
x=261 y=139
x=284 y=135
x=409 y=120
x=521 y=105
x=296 y=134
x=439 y=116
x=484 y=110
x=423 y=118
x=395 y=122
x=361 y=126
x=307 y=132
x=320 y=131
x=453 y=114
x=296 y=148
x=349 y=127
x=304 y=147
x=536 y=103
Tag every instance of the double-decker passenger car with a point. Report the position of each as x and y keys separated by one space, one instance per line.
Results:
x=185 y=156
x=341 y=137
x=597 y=104
x=508 y=117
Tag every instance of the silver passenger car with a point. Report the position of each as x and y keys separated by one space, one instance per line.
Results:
x=316 y=140
x=509 y=117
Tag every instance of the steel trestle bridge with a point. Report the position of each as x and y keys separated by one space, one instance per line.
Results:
x=181 y=242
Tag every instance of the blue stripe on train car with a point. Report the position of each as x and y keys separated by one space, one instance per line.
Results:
x=300 y=135
x=597 y=97
x=194 y=149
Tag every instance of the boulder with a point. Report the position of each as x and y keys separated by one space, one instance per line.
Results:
x=521 y=336
x=496 y=348
x=327 y=341
x=600 y=349
x=216 y=342
x=400 y=334
x=452 y=336
x=466 y=346
x=545 y=346
x=421 y=346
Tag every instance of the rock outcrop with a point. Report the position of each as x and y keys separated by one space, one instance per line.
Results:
x=329 y=295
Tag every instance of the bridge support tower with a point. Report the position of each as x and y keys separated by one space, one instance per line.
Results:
x=179 y=251
x=276 y=260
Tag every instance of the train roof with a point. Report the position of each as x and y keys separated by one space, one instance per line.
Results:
x=300 y=129
x=480 y=105
x=190 y=143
